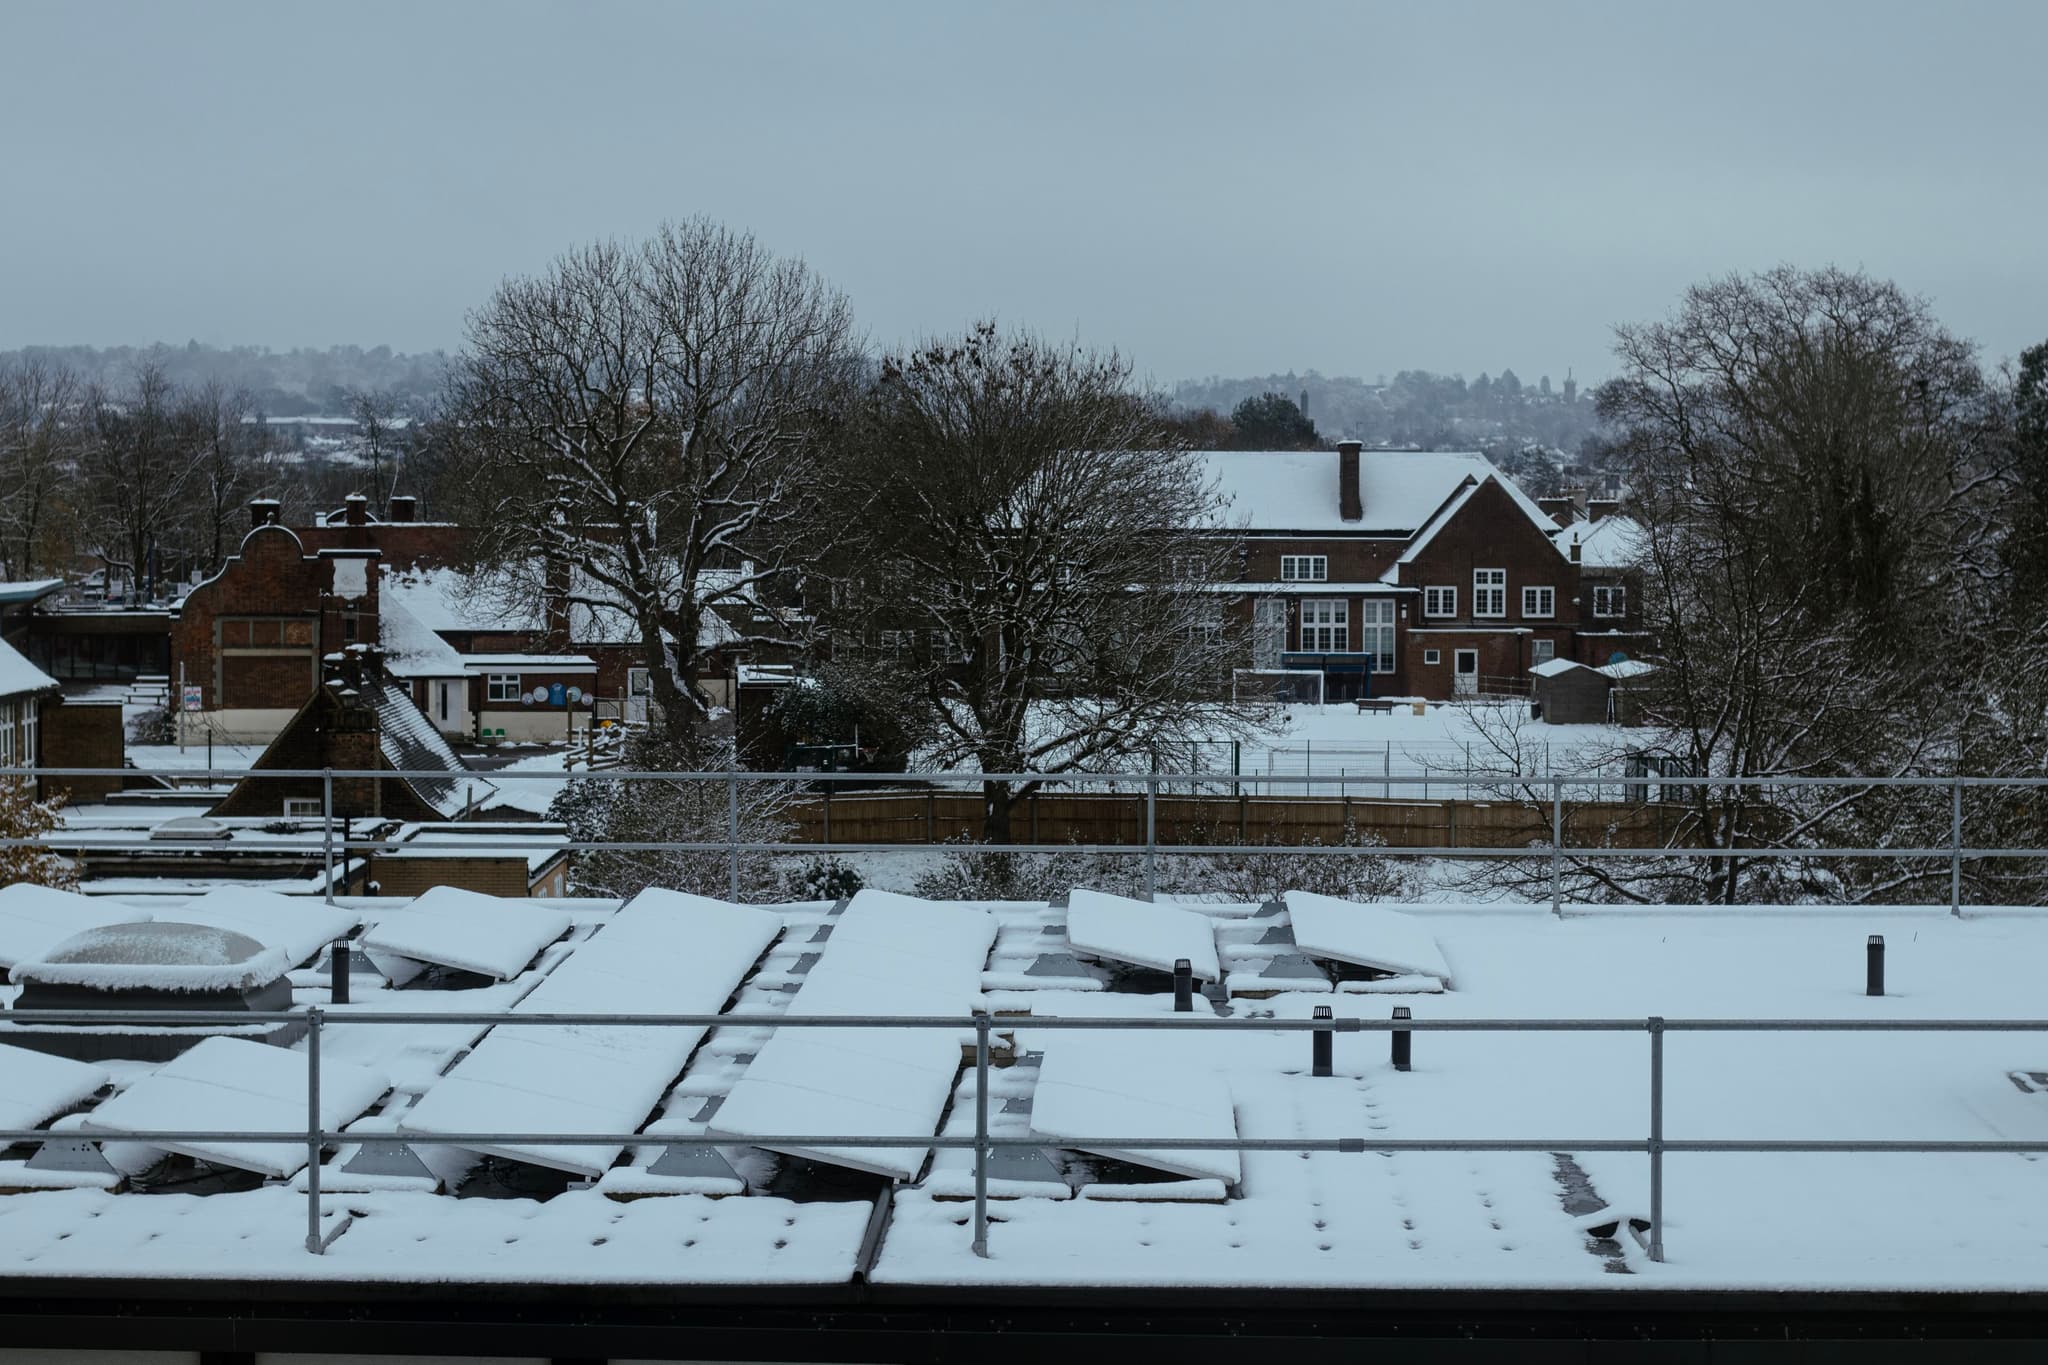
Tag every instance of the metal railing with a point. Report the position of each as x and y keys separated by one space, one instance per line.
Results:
x=332 y=842
x=1654 y=1144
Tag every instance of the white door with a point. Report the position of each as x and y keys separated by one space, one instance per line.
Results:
x=1465 y=672
x=639 y=691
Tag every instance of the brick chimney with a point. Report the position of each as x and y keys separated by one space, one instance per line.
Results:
x=1349 y=501
x=1597 y=508
x=402 y=508
x=356 y=509
x=263 y=512
x=1558 y=510
x=1575 y=549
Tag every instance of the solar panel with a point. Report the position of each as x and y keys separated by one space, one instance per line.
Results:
x=1142 y=934
x=1365 y=936
x=494 y=936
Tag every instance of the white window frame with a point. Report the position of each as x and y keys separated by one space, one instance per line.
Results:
x=1610 y=600
x=1542 y=651
x=1304 y=568
x=1440 y=601
x=1325 y=625
x=1539 y=603
x=1432 y=656
x=1490 y=593
x=1376 y=632
x=301 y=808
x=501 y=687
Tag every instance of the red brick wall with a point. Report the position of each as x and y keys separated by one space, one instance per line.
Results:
x=81 y=735
x=275 y=598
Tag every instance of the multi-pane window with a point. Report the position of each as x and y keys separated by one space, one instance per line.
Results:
x=1376 y=632
x=1439 y=601
x=1542 y=651
x=1304 y=568
x=1610 y=600
x=898 y=642
x=501 y=687
x=1540 y=602
x=1325 y=626
x=1489 y=592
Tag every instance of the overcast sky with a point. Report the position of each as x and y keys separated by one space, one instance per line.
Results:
x=1215 y=188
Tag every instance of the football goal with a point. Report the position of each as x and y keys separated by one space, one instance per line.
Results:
x=1276 y=686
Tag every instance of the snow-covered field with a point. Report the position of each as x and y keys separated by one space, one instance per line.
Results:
x=1321 y=1219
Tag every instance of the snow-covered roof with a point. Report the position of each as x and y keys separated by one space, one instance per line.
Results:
x=450 y=927
x=451 y=601
x=14 y=593
x=1449 y=511
x=1551 y=668
x=411 y=649
x=410 y=743
x=1623 y=669
x=157 y=955
x=538 y=663
x=1337 y=1221
x=1613 y=542
x=1297 y=490
x=19 y=677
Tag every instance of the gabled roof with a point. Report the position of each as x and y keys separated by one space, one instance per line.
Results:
x=408 y=740
x=19 y=677
x=1456 y=504
x=1613 y=542
x=1296 y=490
x=410 y=649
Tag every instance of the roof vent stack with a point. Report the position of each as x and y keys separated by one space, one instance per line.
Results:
x=1349 y=501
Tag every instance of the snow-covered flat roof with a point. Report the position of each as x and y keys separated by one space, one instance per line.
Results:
x=1125 y=1214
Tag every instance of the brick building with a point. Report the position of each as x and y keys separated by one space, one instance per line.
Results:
x=1407 y=573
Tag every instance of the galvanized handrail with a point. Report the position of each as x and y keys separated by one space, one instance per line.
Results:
x=1655 y=1144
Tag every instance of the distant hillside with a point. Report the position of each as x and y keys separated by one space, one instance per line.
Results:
x=1417 y=408
x=283 y=383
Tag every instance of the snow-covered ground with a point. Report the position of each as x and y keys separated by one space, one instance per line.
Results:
x=1886 y=1221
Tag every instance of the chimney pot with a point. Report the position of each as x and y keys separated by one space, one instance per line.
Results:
x=1350 y=502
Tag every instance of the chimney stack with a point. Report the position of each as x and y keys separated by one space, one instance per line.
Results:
x=262 y=512
x=402 y=508
x=356 y=509
x=1349 y=503
x=1597 y=508
x=1575 y=550
x=1558 y=510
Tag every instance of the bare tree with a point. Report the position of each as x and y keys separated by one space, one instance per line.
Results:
x=384 y=438
x=1803 y=457
x=139 y=470
x=220 y=424
x=39 y=450
x=1027 y=560
x=640 y=433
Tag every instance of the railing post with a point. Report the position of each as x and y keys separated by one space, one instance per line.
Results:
x=1656 y=1026
x=1401 y=1042
x=337 y=972
x=1319 y=1049
x=313 y=1243
x=981 y=1133
x=1557 y=847
x=732 y=828
x=1151 y=836
x=327 y=829
x=1955 y=849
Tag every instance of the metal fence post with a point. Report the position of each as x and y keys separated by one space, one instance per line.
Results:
x=732 y=827
x=327 y=828
x=1557 y=847
x=1151 y=836
x=981 y=1133
x=313 y=1132
x=1955 y=849
x=1656 y=1026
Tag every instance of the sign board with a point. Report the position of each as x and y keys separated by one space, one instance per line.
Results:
x=193 y=698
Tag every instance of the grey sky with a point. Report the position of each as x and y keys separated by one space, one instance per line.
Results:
x=1215 y=188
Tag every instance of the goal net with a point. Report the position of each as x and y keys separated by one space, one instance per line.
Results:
x=1276 y=686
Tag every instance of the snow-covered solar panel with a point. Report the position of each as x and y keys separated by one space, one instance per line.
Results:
x=495 y=936
x=1365 y=936
x=1089 y=1089
x=231 y=1083
x=1119 y=929
x=35 y=1086
x=298 y=926
x=664 y=953
x=35 y=919
x=887 y=955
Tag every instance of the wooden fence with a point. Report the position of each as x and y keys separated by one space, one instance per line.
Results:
x=1115 y=818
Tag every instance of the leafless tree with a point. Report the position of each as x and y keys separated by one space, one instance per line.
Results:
x=645 y=422
x=1039 y=553
x=1804 y=454
x=220 y=424
x=139 y=469
x=384 y=437
x=40 y=416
